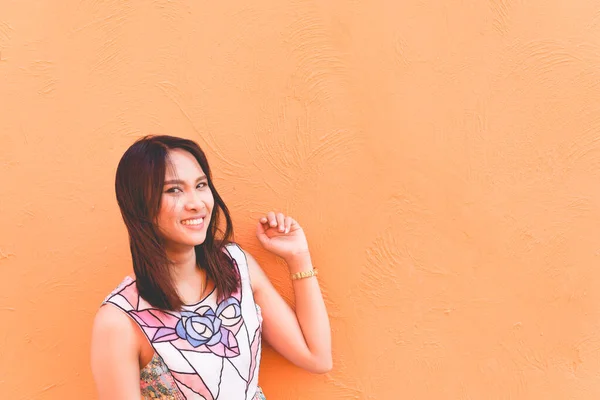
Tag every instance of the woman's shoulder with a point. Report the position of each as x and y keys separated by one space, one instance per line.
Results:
x=232 y=245
x=235 y=251
x=111 y=313
x=111 y=319
x=250 y=269
x=115 y=343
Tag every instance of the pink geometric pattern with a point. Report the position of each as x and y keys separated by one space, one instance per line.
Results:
x=212 y=348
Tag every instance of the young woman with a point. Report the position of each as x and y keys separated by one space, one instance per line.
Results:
x=188 y=323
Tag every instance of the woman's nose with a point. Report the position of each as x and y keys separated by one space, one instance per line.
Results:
x=194 y=202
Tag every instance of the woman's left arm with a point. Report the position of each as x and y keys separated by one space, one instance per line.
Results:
x=303 y=335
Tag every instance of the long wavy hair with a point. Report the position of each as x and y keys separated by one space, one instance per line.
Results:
x=139 y=185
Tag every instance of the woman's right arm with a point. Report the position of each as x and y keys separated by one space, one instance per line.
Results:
x=115 y=355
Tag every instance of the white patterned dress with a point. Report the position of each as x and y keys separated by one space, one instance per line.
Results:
x=210 y=350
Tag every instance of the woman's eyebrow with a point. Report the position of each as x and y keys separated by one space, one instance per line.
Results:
x=180 y=182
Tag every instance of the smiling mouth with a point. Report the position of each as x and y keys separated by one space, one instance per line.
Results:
x=192 y=222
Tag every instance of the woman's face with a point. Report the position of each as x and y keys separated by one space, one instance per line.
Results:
x=187 y=202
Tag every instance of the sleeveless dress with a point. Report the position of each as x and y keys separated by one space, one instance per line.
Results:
x=210 y=350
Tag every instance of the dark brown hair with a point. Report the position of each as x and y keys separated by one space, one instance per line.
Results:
x=139 y=185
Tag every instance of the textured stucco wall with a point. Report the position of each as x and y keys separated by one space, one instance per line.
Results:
x=444 y=158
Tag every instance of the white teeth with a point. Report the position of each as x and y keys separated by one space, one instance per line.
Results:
x=193 y=221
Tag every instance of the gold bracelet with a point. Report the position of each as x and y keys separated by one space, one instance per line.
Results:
x=304 y=274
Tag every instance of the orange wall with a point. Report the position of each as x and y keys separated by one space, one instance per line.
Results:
x=444 y=158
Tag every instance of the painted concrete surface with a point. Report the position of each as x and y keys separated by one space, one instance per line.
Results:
x=443 y=157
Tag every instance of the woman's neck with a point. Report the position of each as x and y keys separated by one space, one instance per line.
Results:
x=183 y=264
x=189 y=280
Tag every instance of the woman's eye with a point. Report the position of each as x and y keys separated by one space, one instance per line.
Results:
x=201 y=185
x=173 y=190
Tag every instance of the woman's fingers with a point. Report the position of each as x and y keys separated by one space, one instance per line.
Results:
x=288 y=224
x=280 y=222
x=272 y=219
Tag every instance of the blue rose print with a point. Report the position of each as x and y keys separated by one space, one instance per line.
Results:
x=229 y=311
x=199 y=329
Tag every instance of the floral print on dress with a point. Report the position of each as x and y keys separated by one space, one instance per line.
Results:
x=156 y=381
x=259 y=395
